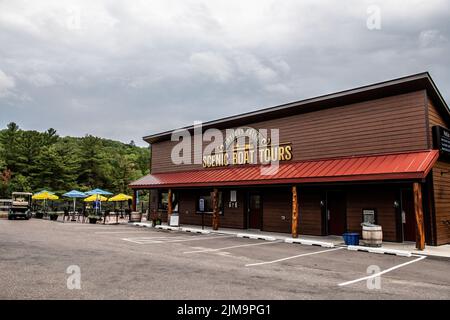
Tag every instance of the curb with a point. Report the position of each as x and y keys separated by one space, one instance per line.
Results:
x=256 y=236
x=141 y=224
x=401 y=253
x=193 y=230
x=167 y=228
x=310 y=242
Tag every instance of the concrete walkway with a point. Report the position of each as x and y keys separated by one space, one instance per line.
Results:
x=439 y=251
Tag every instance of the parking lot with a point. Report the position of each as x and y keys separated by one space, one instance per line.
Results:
x=128 y=262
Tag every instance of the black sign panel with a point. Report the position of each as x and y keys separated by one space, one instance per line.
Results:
x=441 y=140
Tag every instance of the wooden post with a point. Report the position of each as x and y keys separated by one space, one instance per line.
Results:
x=169 y=206
x=418 y=209
x=134 y=199
x=215 y=204
x=294 y=225
x=149 y=209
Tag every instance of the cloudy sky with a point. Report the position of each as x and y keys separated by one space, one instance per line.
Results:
x=125 y=69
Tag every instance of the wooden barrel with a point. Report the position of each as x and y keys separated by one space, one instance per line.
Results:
x=372 y=236
x=135 y=216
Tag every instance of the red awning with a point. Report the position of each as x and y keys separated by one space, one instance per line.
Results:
x=399 y=166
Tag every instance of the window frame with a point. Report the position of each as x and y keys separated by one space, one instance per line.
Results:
x=206 y=194
x=175 y=201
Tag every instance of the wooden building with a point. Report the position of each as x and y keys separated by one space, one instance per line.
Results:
x=377 y=153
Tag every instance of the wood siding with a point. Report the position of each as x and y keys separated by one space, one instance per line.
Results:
x=310 y=221
x=277 y=203
x=381 y=199
x=441 y=186
x=391 y=124
x=435 y=119
x=232 y=217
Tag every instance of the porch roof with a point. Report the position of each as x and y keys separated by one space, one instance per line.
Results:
x=395 y=166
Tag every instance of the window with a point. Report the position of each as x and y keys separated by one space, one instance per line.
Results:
x=205 y=205
x=163 y=201
x=233 y=197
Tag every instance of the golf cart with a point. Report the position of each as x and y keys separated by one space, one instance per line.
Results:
x=21 y=205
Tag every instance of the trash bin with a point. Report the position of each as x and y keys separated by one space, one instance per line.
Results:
x=372 y=234
x=351 y=238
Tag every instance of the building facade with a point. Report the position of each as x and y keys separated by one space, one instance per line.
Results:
x=377 y=154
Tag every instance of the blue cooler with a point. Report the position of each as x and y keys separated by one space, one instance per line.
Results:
x=351 y=238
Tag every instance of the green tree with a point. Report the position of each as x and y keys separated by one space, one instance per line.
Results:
x=32 y=160
x=94 y=167
x=10 y=142
x=19 y=183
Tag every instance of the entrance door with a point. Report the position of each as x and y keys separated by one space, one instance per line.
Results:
x=254 y=211
x=336 y=212
x=408 y=216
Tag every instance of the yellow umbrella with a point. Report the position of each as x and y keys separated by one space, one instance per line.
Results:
x=95 y=197
x=45 y=196
x=120 y=197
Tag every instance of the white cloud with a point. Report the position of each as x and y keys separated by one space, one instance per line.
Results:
x=213 y=65
x=163 y=63
x=6 y=84
x=250 y=65
x=431 y=38
x=40 y=80
x=278 y=88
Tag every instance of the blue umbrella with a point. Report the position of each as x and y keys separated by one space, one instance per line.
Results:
x=99 y=192
x=75 y=194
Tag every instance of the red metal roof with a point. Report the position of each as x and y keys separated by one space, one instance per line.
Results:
x=412 y=165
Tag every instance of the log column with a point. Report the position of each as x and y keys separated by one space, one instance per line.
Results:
x=294 y=226
x=133 y=207
x=169 y=206
x=418 y=209
x=215 y=204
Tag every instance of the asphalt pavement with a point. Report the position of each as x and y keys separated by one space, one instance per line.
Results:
x=40 y=259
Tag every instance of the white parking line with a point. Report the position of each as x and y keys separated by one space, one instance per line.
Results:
x=129 y=240
x=144 y=240
x=382 y=272
x=155 y=240
x=131 y=231
x=232 y=247
x=292 y=257
x=200 y=238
